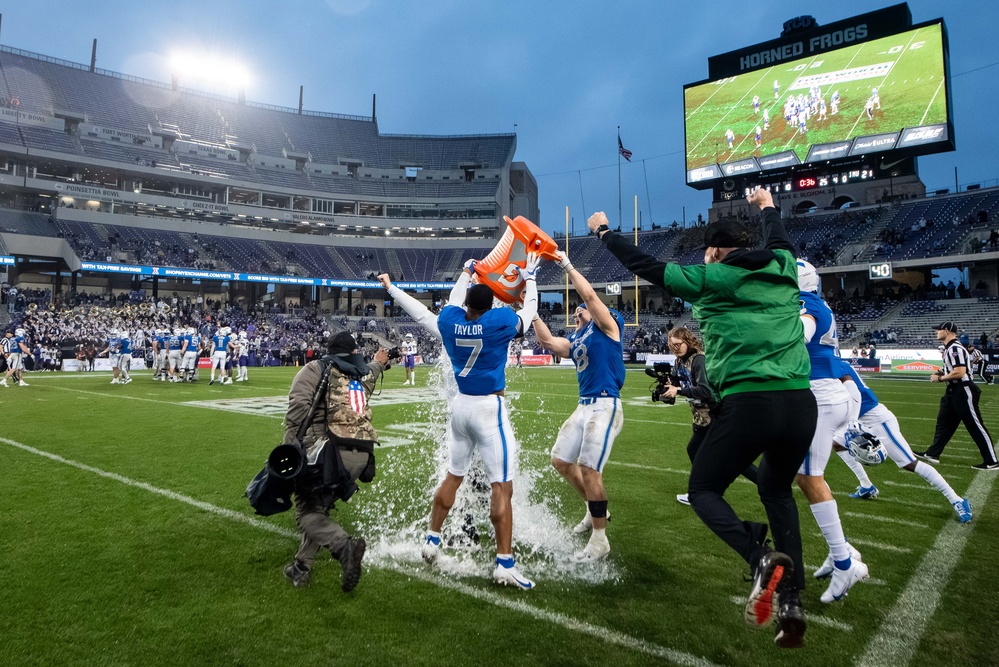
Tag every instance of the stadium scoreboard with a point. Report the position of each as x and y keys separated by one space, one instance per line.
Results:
x=872 y=88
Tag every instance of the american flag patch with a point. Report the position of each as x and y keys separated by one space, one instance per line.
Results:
x=357 y=398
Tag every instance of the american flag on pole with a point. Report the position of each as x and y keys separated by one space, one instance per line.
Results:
x=357 y=398
x=625 y=153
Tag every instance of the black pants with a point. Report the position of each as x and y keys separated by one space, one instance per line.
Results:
x=960 y=404
x=777 y=424
x=750 y=473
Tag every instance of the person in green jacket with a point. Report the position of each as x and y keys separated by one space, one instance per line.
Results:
x=746 y=302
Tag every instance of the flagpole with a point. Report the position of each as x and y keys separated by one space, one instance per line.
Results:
x=620 y=219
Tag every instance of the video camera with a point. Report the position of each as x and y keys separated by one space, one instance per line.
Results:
x=662 y=371
x=394 y=353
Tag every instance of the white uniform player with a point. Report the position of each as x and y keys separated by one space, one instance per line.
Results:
x=242 y=356
x=833 y=401
x=878 y=420
x=408 y=351
x=476 y=341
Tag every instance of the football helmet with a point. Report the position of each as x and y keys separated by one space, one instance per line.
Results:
x=178 y=332
x=865 y=446
x=124 y=334
x=191 y=331
x=808 y=277
x=19 y=332
x=242 y=335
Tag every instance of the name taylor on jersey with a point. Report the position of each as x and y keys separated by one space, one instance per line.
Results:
x=467 y=329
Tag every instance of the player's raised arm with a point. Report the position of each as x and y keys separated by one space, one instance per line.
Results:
x=774 y=235
x=457 y=296
x=556 y=344
x=530 y=274
x=598 y=309
x=413 y=308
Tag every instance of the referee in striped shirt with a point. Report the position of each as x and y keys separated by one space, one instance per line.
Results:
x=959 y=402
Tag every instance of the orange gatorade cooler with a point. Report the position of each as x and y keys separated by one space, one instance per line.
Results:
x=497 y=268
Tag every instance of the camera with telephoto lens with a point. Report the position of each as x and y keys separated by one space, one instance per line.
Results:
x=662 y=371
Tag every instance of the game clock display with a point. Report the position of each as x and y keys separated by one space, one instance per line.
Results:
x=879 y=270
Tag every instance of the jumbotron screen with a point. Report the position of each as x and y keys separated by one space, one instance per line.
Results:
x=877 y=96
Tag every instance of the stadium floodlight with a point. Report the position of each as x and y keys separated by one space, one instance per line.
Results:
x=210 y=68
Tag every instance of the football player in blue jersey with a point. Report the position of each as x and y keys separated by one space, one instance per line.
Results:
x=124 y=358
x=476 y=339
x=189 y=362
x=220 y=352
x=586 y=438
x=878 y=420
x=159 y=355
x=833 y=399
x=16 y=348
x=175 y=353
x=114 y=343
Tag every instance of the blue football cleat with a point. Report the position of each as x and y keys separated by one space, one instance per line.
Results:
x=865 y=492
x=963 y=509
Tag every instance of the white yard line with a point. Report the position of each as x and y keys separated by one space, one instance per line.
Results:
x=899 y=636
x=935 y=92
x=884 y=519
x=894 y=501
x=869 y=582
x=601 y=633
x=876 y=545
x=880 y=85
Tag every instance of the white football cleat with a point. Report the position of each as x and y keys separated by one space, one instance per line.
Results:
x=3 y=383
x=431 y=549
x=115 y=381
x=592 y=552
x=586 y=524
x=127 y=380
x=509 y=576
x=843 y=581
x=682 y=499
x=829 y=564
x=22 y=383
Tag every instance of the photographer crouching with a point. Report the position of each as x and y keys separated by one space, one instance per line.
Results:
x=339 y=449
x=691 y=382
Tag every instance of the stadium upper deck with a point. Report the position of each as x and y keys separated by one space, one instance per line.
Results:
x=142 y=137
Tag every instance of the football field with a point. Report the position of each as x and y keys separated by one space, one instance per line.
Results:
x=125 y=540
x=907 y=69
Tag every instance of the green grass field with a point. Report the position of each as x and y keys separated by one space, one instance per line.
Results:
x=125 y=540
x=912 y=93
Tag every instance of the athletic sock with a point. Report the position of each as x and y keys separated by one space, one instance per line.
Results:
x=856 y=467
x=506 y=560
x=827 y=516
x=936 y=480
x=598 y=535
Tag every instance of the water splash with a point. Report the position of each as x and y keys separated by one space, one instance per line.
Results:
x=394 y=517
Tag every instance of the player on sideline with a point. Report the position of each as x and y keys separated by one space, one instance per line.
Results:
x=160 y=355
x=586 y=438
x=15 y=359
x=476 y=341
x=408 y=350
x=730 y=138
x=175 y=353
x=124 y=357
x=880 y=421
x=242 y=356
x=220 y=349
x=190 y=359
x=112 y=350
x=833 y=401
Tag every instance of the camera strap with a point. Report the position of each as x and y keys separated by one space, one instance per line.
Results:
x=324 y=383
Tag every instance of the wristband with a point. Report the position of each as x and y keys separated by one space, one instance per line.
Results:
x=602 y=228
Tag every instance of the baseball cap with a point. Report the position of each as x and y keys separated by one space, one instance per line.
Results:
x=727 y=234
x=946 y=326
x=342 y=343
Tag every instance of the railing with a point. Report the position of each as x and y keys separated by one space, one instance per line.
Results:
x=165 y=86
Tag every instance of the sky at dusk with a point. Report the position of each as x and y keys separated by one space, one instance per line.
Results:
x=564 y=74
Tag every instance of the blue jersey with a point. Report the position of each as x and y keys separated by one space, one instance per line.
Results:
x=221 y=342
x=16 y=343
x=478 y=348
x=823 y=348
x=174 y=342
x=599 y=359
x=125 y=346
x=868 y=401
x=193 y=342
x=113 y=345
x=160 y=343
